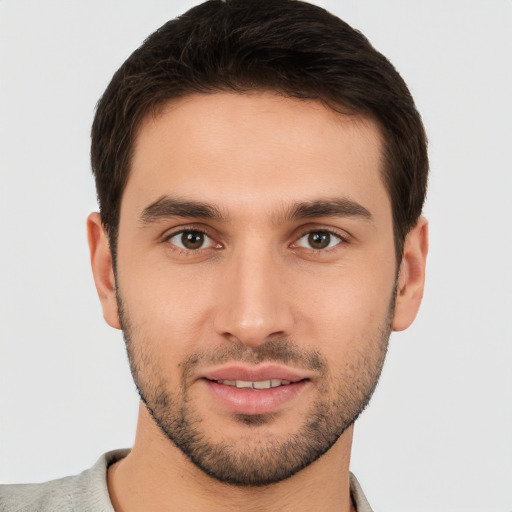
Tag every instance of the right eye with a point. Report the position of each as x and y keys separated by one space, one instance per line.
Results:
x=191 y=240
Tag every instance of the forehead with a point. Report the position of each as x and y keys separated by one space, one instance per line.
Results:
x=257 y=149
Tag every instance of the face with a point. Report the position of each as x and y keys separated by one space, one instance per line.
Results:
x=256 y=278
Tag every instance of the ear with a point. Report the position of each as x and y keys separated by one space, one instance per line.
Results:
x=102 y=269
x=411 y=278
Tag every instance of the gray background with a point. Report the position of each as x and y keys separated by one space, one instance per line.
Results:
x=439 y=430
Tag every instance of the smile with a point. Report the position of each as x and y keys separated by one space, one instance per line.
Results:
x=258 y=385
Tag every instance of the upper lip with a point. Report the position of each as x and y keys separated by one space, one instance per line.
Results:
x=255 y=373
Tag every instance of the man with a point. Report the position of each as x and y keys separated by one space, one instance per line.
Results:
x=261 y=171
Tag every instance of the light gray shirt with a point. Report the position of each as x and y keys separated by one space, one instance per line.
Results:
x=88 y=492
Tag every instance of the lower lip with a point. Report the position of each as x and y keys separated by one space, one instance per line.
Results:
x=250 y=401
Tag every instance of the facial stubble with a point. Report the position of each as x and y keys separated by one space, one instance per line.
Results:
x=257 y=460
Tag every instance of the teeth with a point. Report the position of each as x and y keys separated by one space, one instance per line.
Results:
x=243 y=384
x=260 y=384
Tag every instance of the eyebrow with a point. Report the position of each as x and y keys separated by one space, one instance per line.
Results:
x=166 y=207
x=335 y=207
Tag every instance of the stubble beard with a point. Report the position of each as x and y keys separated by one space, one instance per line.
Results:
x=257 y=461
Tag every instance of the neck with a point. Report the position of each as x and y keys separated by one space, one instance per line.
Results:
x=158 y=476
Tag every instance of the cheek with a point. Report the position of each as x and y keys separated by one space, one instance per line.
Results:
x=169 y=309
x=346 y=312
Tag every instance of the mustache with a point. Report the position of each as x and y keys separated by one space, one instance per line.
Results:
x=272 y=351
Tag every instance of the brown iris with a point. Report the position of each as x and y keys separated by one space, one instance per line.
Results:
x=319 y=239
x=192 y=239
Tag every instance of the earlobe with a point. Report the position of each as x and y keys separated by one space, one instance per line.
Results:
x=411 y=278
x=102 y=269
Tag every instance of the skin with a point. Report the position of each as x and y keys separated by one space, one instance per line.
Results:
x=256 y=280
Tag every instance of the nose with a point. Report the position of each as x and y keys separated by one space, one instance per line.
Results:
x=253 y=304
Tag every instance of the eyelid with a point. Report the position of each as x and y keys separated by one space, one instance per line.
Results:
x=179 y=230
x=169 y=232
x=342 y=235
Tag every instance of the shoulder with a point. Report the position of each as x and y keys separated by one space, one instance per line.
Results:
x=84 y=492
x=358 y=497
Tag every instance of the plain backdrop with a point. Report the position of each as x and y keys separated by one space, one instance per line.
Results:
x=438 y=433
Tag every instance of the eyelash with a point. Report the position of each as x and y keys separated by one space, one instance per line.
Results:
x=343 y=239
x=187 y=251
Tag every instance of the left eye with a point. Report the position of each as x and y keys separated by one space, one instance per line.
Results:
x=318 y=240
x=191 y=240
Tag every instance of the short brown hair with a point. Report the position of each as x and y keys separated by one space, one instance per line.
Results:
x=287 y=46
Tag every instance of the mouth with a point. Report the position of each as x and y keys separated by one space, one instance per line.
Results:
x=260 y=376
x=255 y=390
x=257 y=385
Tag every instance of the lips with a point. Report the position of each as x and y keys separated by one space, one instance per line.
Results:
x=257 y=373
x=254 y=390
x=259 y=384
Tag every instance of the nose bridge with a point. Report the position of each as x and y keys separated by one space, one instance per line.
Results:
x=252 y=305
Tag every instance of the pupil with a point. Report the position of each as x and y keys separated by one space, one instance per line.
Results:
x=192 y=239
x=319 y=240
